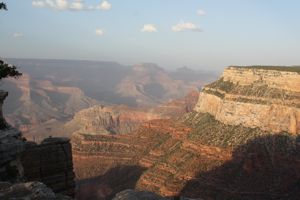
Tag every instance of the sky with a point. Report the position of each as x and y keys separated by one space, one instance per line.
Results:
x=200 y=34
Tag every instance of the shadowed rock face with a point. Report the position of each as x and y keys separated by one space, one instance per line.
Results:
x=29 y=190
x=141 y=195
x=3 y=123
x=11 y=146
x=107 y=185
x=262 y=169
x=51 y=163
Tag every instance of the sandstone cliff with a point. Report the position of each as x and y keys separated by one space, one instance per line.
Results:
x=255 y=97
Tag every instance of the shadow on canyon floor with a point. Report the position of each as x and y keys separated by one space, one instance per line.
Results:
x=106 y=186
x=266 y=168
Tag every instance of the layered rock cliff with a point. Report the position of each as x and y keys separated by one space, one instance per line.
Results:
x=258 y=97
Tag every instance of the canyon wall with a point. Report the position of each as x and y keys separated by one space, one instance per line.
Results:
x=255 y=98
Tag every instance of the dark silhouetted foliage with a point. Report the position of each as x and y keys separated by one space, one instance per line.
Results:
x=3 y=6
x=7 y=70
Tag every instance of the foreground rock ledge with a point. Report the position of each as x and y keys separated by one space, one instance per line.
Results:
x=28 y=191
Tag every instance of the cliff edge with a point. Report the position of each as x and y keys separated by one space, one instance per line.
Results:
x=267 y=98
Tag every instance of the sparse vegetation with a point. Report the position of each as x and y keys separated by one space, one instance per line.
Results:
x=277 y=68
x=7 y=70
x=208 y=131
x=225 y=86
x=260 y=90
x=3 y=6
x=214 y=92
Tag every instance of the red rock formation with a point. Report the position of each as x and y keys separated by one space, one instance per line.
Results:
x=124 y=119
x=159 y=145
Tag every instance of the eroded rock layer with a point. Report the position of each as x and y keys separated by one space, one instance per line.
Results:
x=286 y=78
x=254 y=97
x=161 y=149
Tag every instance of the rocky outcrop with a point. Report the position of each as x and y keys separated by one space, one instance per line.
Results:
x=3 y=123
x=256 y=98
x=11 y=147
x=123 y=119
x=141 y=195
x=110 y=120
x=28 y=191
x=51 y=163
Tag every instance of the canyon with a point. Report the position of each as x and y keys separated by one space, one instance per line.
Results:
x=51 y=92
x=237 y=139
x=241 y=141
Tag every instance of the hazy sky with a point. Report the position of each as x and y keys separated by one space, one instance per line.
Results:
x=208 y=34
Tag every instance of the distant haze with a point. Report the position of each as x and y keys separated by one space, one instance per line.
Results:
x=50 y=92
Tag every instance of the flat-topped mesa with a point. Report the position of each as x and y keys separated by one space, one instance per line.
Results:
x=286 y=78
x=257 y=97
